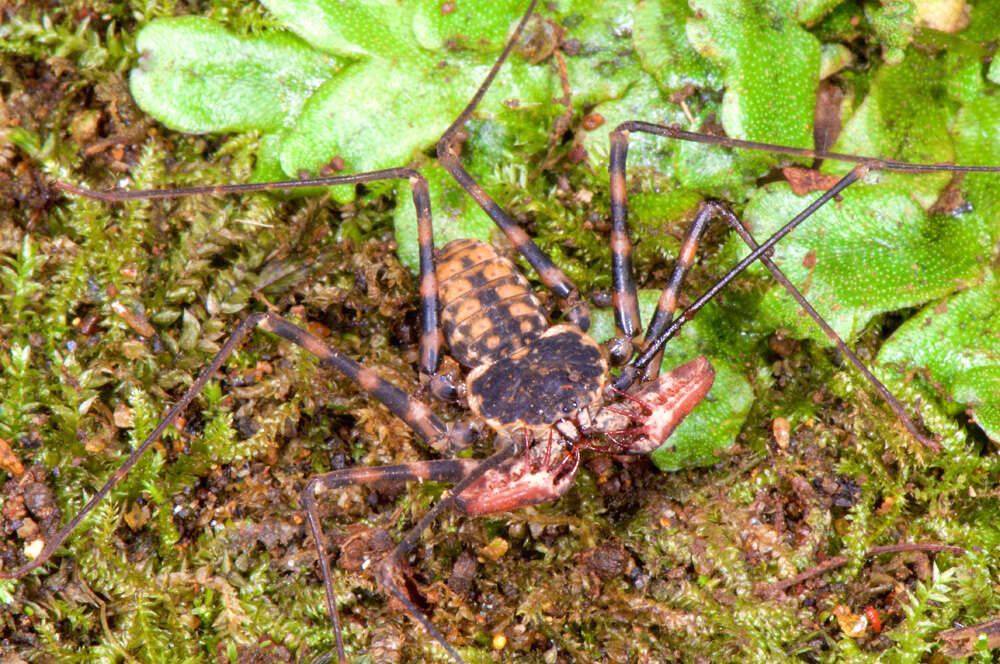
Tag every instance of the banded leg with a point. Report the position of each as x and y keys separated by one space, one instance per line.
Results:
x=667 y=305
x=624 y=299
x=463 y=472
x=416 y=414
x=664 y=327
x=663 y=317
x=575 y=309
x=431 y=338
x=628 y=323
x=662 y=324
x=654 y=343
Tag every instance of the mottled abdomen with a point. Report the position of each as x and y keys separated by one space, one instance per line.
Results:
x=552 y=378
x=488 y=309
x=524 y=373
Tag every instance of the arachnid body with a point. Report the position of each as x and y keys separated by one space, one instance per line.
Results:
x=206 y=540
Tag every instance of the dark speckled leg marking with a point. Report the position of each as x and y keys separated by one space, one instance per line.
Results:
x=430 y=324
x=416 y=414
x=623 y=295
x=668 y=299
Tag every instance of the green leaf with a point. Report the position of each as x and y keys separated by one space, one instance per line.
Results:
x=882 y=247
x=851 y=271
x=893 y=23
x=398 y=100
x=346 y=29
x=770 y=68
x=198 y=77
x=662 y=46
x=953 y=347
x=401 y=91
x=905 y=117
x=768 y=64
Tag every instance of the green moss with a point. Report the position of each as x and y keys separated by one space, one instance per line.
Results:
x=202 y=555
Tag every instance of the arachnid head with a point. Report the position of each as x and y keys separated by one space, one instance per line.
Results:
x=552 y=378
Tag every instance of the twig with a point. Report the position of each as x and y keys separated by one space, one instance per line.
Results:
x=773 y=590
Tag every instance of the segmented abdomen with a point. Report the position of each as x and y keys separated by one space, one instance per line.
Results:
x=488 y=309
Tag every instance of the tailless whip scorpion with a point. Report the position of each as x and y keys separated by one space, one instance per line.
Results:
x=537 y=387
